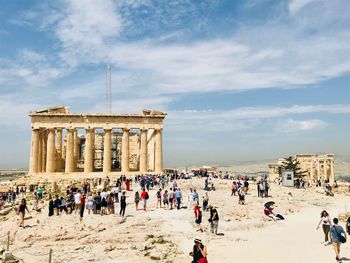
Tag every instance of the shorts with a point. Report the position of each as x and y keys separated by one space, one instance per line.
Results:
x=198 y=221
x=144 y=202
x=98 y=206
x=241 y=198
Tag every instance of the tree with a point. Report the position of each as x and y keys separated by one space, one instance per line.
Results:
x=292 y=164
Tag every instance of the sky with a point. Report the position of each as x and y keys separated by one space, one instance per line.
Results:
x=241 y=80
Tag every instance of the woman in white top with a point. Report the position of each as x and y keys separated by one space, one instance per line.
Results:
x=326 y=226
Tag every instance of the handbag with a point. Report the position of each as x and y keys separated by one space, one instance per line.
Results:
x=341 y=238
x=202 y=260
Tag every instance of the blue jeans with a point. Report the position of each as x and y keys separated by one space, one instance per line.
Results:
x=178 y=199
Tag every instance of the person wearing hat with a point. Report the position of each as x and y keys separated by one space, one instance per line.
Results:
x=199 y=252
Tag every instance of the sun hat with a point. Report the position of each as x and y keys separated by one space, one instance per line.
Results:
x=197 y=240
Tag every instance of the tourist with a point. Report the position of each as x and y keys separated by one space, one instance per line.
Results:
x=51 y=206
x=40 y=193
x=198 y=217
x=190 y=199
x=326 y=226
x=127 y=183
x=82 y=206
x=205 y=201
x=22 y=211
x=199 y=252
x=144 y=197
x=63 y=206
x=36 y=201
x=77 y=201
x=262 y=189
x=159 y=198
x=122 y=204
x=290 y=197
x=348 y=226
x=337 y=238
x=171 y=198
x=195 y=196
x=241 y=196
x=98 y=201
x=268 y=211
x=178 y=196
x=233 y=188
x=57 y=205
x=116 y=192
x=246 y=185
x=214 y=220
x=137 y=200
x=110 y=203
x=90 y=202
x=166 y=199
x=104 y=195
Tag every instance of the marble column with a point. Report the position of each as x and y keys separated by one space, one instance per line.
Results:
x=44 y=150
x=59 y=160
x=88 y=152
x=40 y=153
x=107 y=151
x=143 y=151
x=70 y=151
x=158 y=152
x=50 y=152
x=76 y=149
x=125 y=150
x=34 y=151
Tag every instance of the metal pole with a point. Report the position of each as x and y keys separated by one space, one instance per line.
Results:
x=50 y=255
x=8 y=241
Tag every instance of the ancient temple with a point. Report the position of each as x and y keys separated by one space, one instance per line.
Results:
x=65 y=142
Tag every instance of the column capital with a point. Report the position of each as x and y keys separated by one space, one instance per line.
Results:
x=143 y=129
x=107 y=129
x=158 y=129
x=125 y=129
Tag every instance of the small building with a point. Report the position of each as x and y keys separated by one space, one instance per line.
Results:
x=288 y=178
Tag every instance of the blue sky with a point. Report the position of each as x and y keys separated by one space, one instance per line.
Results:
x=240 y=80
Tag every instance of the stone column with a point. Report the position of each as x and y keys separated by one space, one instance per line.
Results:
x=40 y=152
x=76 y=149
x=59 y=160
x=50 y=152
x=159 y=152
x=143 y=151
x=33 y=168
x=70 y=151
x=88 y=152
x=107 y=151
x=331 y=176
x=125 y=150
x=44 y=150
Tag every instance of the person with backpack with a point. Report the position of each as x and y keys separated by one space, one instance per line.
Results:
x=338 y=236
x=199 y=252
x=144 y=197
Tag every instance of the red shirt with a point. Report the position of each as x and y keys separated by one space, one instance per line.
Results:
x=143 y=195
x=196 y=211
x=82 y=200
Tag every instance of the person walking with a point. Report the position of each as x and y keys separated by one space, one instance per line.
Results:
x=214 y=220
x=178 y=196
x=326 y=226
x=122 y=204
x=198 y=217
x=22 y=211
x=199 y=252
x=190 y=199
x=82 y=206
x=144 y=197
x=137 y=200
x=51 y=208
x=171 y=198
x=337 y=238
x=77 y=201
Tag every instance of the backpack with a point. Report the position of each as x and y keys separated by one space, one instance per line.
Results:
x=147 y=196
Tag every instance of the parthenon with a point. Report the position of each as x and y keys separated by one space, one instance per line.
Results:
x=65 y=142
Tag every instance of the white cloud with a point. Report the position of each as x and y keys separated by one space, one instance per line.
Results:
x=250 y=117
x=301 y=125
x=296 y=5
